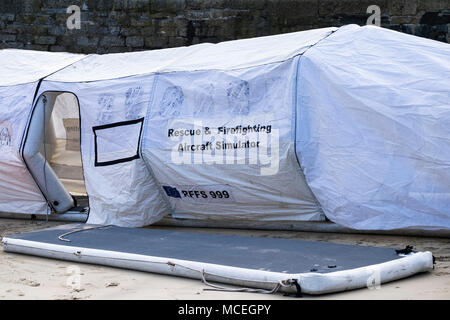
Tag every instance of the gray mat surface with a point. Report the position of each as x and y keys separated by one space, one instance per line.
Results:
x=260 y=253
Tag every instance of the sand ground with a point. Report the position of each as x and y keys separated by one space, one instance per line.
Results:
x=27 y=277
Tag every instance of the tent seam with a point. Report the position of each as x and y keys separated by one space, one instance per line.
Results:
x=146 y=163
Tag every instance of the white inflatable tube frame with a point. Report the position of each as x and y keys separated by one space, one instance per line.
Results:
x=42 y=172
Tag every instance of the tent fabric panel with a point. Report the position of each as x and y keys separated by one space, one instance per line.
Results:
x=193 y=116
x=18 y=191
x=374 y=126
x=227 y=55
x=125 y=193
x=25 y=66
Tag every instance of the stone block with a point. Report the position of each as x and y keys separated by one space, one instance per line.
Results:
x=170 y=6
x=45 y=40
x=432 y=5
x=57 y=48
x=135 y=42
x=156 y=42
x=7 y=37
x=38 y=47
x=112 y=41
x=402 y=7
x=87 y=41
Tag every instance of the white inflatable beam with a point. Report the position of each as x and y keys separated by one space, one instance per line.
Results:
x=309 y=283
x=68 y=216
x=303 y=226
x=43 y=174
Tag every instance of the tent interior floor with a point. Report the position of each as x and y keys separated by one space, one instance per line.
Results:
x=258 y=262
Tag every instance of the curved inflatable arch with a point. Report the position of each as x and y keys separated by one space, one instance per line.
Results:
x=49 y=183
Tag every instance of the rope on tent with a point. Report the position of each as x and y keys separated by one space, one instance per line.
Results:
x=61 y=237
x=278 y=286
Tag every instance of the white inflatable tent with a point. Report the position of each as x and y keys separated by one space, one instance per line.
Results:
x=349 y=124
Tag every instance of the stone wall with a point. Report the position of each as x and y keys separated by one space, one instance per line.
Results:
x=132 y=25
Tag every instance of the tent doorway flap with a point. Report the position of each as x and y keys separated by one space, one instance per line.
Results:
x=52 y=149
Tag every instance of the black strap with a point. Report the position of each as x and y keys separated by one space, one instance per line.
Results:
x=408 y=249
x=298 y=287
